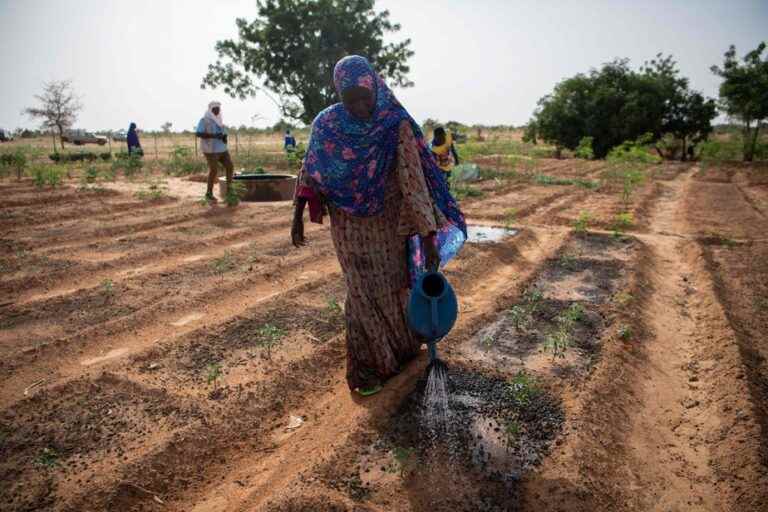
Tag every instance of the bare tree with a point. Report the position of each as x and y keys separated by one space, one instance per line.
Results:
x=166 y=127
x=58 y=109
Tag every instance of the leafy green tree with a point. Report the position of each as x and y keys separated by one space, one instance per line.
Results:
x=289 y=51
x=615 y=103
x=689 y=119
x=744 y=92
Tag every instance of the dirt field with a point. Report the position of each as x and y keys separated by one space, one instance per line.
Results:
x=163 y=355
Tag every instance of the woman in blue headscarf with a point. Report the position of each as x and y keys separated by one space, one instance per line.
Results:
x=369 y=167
x=134 y=146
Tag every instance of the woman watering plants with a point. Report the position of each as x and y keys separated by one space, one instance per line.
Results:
x=369 y=167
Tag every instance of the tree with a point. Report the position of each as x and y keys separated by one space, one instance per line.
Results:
x=744 y=92
x=689 y=119
x=166 y=127
x=291 y=47
x=615 y=103
x=58 y=109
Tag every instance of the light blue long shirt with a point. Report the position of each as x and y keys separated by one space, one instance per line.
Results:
x=211 y=145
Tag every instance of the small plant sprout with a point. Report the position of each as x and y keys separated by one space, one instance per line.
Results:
x=333 y=307
x=48 y=458
x=107 y=287
x=512 y=430
x=622 y=222
x=405 y=460
x=625 y=332
x=523 y=388
x=510 y=217
x=581 y=224
x=269 y=335
x=232 y=198
x=213 y=374
x=223 y=264
x=487 y=341
x=567 y=261
x=623 y=298
x=575 y=313
x=557 y=342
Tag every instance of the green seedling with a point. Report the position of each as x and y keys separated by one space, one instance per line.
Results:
x=224 y=263
x=574 y=313
x=567 y=261
x=622 y=222
x=107 y=287
x=623 y=298
x=463 y=191
x=521 y=314
x=48 y=458
x=405 y=460
x=523 y=388
x=557 y=342
x=234 y=192
x=581 y=224
x=510 y=218
x=156 y=189
x=269 y=335
x=512 y=430
x=487 y=341
x=213 y=374
x=543 y=179
x=333 y=307
x=625 y=332
x=38 y=176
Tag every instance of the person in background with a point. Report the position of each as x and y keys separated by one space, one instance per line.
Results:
x=213 y=144
x=369 y=167
x=134 y=146
x=444 y=151
x=290 y=142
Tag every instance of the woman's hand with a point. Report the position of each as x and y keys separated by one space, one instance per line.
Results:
x=297 y=228
x=431 y=253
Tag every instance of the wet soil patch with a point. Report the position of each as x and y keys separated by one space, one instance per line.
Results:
x=497 y=430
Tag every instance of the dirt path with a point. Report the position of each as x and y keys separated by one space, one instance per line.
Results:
x=676 y=442
x=675 y=473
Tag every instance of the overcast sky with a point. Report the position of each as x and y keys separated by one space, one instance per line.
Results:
x=477 y=61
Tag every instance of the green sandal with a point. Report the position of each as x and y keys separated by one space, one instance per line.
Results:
x=369 y=390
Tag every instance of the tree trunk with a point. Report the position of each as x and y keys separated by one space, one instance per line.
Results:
x=748 y=148
x=658 y=150
x=684 y=156
x=753 y=142
x=53 y=136
x=61 y=137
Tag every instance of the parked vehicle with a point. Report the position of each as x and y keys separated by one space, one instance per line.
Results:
x=119 y=135
x=5 y=136
x=80 y=137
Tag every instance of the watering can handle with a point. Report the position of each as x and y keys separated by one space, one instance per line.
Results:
x=433 y=303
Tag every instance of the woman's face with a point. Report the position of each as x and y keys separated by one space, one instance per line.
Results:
x=359 y=102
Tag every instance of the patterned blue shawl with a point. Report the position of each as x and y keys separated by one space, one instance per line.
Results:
x=349 y=160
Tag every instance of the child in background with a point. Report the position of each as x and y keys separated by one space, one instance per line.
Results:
x=444 y=151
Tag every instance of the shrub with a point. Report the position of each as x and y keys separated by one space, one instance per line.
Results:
x=584 y=149
x=16 y=160
x=129 y=164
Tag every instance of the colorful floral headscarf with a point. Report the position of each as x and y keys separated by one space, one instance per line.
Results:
x=349 y=159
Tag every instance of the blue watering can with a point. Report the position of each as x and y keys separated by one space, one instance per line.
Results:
x=432 y=308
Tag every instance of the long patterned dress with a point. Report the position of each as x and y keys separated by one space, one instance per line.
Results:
x=372 y=252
